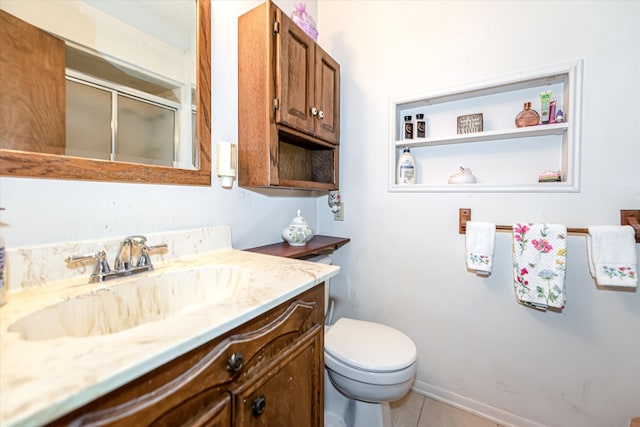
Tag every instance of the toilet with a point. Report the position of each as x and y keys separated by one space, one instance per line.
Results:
x=367 y=365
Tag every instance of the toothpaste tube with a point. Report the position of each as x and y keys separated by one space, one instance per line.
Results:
x=545 y=98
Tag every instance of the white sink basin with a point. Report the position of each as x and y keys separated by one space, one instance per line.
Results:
x=134 y=301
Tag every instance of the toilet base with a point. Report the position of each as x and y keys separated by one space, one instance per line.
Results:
x=333 y=420
x=341 y=411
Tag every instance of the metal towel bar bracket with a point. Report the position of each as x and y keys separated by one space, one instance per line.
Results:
x=627 y=217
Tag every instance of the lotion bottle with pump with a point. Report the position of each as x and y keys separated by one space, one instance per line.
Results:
x=406 y=173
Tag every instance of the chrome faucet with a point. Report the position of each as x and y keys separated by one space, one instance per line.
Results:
x=132 y=247
x=124 y=258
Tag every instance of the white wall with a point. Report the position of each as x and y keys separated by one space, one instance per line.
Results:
x=42 y=211
x=405 y=264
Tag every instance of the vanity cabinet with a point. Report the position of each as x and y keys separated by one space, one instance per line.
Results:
x=268 y=371
x=288 y=105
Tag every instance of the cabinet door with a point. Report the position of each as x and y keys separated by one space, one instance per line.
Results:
x=216 y=415
x=33 y=95
x=288 y=392
x=327 y=97
x=295 y=55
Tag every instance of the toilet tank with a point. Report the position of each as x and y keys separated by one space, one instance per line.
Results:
x=324 y=259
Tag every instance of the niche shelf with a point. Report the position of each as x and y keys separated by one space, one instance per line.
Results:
x=503 y=157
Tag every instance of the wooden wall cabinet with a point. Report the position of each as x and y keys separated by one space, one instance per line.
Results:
x=288 y=105
x=268 y=371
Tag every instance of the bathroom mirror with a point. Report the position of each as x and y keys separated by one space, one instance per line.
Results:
x=30 y=160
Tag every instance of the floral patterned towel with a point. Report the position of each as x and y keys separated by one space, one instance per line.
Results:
x=480 y=241
x=539 y=258
x=611 y=250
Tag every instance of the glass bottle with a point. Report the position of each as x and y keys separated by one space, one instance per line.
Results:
x=527 y=117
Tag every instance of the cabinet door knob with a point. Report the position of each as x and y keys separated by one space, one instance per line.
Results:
x=321 y=114
x=235 y=362
x=314 y=111
x=258 y=405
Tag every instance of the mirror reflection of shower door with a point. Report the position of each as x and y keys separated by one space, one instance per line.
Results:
x=88 y=121
x=146 y=133
x=105 y=124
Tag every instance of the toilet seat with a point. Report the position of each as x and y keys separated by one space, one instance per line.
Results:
x=368 y=346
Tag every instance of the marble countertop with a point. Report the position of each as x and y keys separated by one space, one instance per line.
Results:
x=41 y=380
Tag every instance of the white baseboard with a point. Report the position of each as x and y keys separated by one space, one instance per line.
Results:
x=472 y=406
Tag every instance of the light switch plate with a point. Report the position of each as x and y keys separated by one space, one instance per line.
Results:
x=339 y=216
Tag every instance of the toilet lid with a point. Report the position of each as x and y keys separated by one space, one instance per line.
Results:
x=369 y=346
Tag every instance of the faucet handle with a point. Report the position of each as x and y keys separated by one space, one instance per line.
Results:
x=144 y=259
x=100 y=268
x=72 y=259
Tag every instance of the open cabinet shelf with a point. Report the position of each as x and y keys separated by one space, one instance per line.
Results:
x=508 y=158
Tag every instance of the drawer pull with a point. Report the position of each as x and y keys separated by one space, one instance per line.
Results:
x=235 y=362
x=258 y=405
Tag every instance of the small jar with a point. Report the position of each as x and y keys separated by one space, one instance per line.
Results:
x=421 y=126
x=407 y=128
x=527 y=117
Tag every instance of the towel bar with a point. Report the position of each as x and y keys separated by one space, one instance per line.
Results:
x=627 y=217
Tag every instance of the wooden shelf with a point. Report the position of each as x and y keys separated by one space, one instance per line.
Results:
x=319 y=245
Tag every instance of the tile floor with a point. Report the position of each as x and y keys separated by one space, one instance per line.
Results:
x=415 y=410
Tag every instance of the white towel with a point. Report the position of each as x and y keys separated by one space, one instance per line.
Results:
x=539 y=264
x=480 y=241
x=611 y=251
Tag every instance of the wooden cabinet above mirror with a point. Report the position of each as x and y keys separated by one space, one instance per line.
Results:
x=18 y=161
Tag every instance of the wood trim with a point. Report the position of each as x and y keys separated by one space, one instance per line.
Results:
x=26 y=164
x=256 y=159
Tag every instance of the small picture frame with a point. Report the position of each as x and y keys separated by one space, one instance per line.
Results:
x=470 y=123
